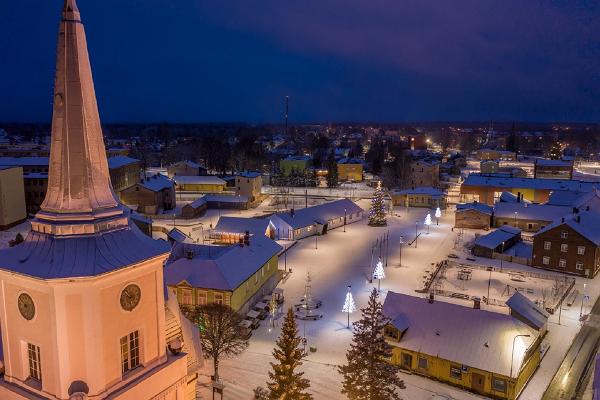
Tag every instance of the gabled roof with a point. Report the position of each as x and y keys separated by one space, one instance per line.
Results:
x=526 y=211
x=198 y=180
x=226 y=268
x=528 y=309
x=469 y=337
x=24 y=161
x=495 y=238
x=156 y=183
x=508 y=197
x=241 y=225
x=422 y=190
x=178 y=236
x=477 y=206
x=249 y=174
x=350 y=161
x=321 y=213
x=120 y=161
x=528 y=183
x=588 y=224
x=189 y=163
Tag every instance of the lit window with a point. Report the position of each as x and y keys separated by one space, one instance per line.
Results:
x=130 y=351
x=564 y=234
x=499 y=385
x=422 y=363
x=579 y=266
x=186 y=297
x=201 y=297
x=564 y=248
x=406 y=360
x=35 y=362
x=455 y=372
x=546 y=260
x=219 y=298
x=581 y=250
x=547 y=245
x=562 y=263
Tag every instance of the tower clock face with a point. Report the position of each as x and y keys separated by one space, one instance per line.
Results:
x=26 y=306
x=130 y=297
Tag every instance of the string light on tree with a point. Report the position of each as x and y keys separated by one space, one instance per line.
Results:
x=379 y=273
x=438 y=214
x=349 y=306
x=428 y=221
x=377 y=211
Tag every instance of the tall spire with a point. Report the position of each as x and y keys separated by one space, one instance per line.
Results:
x=80 y=198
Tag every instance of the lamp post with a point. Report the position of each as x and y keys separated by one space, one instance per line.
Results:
x=416 y=232
x=344 y=220
x=512 y=354
x=400 y=251
x=582 y=297
x=516 y=218
x=501 y=256
x=285 y=258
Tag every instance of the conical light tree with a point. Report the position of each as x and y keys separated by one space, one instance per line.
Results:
x=285 y=383
x=438 y=214
x=349 y=306
x=379 y=273
x=428 y=221
x=377 y=211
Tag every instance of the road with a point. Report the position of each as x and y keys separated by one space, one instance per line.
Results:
x=573 y=372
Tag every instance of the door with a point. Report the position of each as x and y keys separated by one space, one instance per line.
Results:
x=478 y=382
x=406 y=361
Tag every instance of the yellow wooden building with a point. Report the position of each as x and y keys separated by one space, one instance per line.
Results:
x=488 y=353
x=237 y=275
x=199 y=184
x=350 y=169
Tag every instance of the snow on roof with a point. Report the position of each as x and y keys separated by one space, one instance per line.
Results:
x=249 y=174
x=178 y=236
x=527 y=183
x=521 y=305
x=35 y=175
x=241 y=225
x=521 y=249
x=470 y=337
x=54 y=257
x=350 y=161
x=508 y=197
x=553 y=163
x=525 y=211
x=189 y=163
x=120 y=161
x=24 y=161
x=226 y=198
x=495 y=238
x=157 y=183
x=226 y=269
x=422 y=190
x=321 y=213
x=198 y=180
x=483 y=208
x=572 y=199
x=588 y=224
x=297 y=158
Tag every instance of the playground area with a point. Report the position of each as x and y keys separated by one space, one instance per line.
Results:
x=494 y=286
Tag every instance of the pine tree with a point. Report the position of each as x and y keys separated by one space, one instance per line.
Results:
x=377 y=211
x=555 y=152
x=368 y=376
x=332 y=172
x=285 y=383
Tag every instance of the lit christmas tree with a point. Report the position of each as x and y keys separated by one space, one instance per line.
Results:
x=377 y=212
x=438 y=214
x=428 y=221
x=349 y=306
x=379 y=273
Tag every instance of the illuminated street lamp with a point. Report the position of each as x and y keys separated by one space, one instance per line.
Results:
x=428 y=221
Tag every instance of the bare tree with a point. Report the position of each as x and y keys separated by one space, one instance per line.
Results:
x=221 y=333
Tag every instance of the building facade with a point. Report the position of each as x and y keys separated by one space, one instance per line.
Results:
x=350 y=169
x=424 y=173
x=12 y=197
x=186 y=168
x=249 y=184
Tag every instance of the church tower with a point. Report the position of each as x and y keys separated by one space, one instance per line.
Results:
x=82 y=300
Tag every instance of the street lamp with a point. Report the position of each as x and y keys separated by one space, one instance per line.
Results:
x=416 y=232
x=501 y=256
x=428 y=221
x=582 y=297
x=349 y=306
x=516 y=218
x=344 y=220
x=512 y=354
x=401 y=242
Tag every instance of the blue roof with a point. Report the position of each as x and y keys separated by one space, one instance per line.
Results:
x=484 y=208
x=527 y=309
x=56 y=257
x=297 y=158
x=241 y=225
x=249 y=174
x=157 y=183
x=24 y=161
x=528 y=183
x=119 y=161
x=350 y=161
x=423 y=190
x=494 y=239
x=321 y=213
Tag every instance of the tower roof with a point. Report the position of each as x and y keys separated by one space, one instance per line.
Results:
x=79 y=198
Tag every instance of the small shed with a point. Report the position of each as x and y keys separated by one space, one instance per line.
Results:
x=473 y=215
x=528 y=312
x=497 y=241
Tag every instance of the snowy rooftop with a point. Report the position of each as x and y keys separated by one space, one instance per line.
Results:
x=553 y=163
x=422 y=190
x=241 y=225
x=571 y=199
x=24 y=161
x=526 y=211
x=320 y=213
x=497 y=237
x=178 y=236
x=473 y=338
x=483 y=208
x=249 y=174
x=350 y=161
x=54 y=257
x=528 y=183
x=198 y=180
x=226 y=268
x=587 y=226
x=189 y=163
x=529 y=310
x=508 y=197
x=157 y=183
x=120 y=161
x=298 y=158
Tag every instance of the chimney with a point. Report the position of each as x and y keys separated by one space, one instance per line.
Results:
x=247 y=238
x=476 y=303
x=562 y=219
x=587 y=208
x=430 y=301
x=292 y=212
x=578 y=218
x=575 y=210
x=518 y=197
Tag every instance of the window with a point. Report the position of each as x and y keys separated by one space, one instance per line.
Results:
x=564 y=248
x=130 y=352
x=201 y=297
x=255 y=278
x=547 y=245
x=581 y=250
x=262 y=271
x=422 y=363
x=35 y=362
x=455 y=372
x=186 y=297
x=562 y=263
x=499 y=385
x=406 y=360
x=579 y=266
x=564 y=234
x=219 y=298
x=546 y=260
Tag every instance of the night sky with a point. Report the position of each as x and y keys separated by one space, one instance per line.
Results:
x=338 y=60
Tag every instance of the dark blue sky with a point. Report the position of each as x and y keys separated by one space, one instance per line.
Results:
x=338 y=60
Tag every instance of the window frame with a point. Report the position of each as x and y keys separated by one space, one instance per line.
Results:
x=420 y=360
x=547 y=245
x=130 y=347
x=562 y=263
x=34 y=362
x=579 y=266
x=453 y=370
x=502 y=388
x=581 y=250
x=545 y=260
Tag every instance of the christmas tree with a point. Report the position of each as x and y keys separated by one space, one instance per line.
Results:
x=428 y=221
x=377 y=212
x=367 y=376
x=284 y=383
x=349 y=306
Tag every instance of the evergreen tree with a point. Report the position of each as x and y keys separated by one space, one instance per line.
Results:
x=285 y=383
x=512 y=141
x=332 y=172
x=377 y=211
x=368 y=376
x=555 y=152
